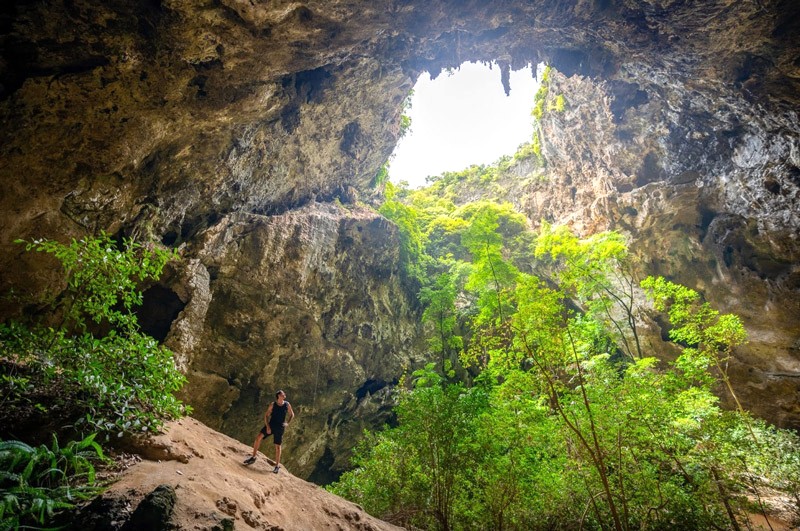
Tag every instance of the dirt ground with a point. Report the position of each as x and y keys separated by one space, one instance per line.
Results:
x=213 y=486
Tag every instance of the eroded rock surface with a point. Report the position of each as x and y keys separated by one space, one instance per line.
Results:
x=309 y=301
x=212 y=490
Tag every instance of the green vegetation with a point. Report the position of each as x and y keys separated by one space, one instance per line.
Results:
x=525 y=151
x=405 y=119
x=405 y=125
x=38 y=482
x=540 y=97
x=94 y=353
x=382 y=177
x=545 y=409
x=82 y=366
x=559 y=104
x=410 y=238
x=543 y=102
x=536 y=145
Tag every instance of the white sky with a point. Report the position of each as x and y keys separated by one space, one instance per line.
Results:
x=461 y=120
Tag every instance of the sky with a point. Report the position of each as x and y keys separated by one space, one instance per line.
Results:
x=463 y=119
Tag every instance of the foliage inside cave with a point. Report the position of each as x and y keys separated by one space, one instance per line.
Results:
x=40 y=483
x=545 y=409
x=84 y=347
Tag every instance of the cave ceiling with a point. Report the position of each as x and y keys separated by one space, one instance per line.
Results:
x=168 y=113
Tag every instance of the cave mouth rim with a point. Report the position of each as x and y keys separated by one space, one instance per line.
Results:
x=483 y=81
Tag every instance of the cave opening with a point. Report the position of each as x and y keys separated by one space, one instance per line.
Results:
x=463 y=117
x=160 y=307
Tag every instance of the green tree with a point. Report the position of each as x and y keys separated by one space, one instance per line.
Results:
x=583 y=427
x=405 y=119
x=412 y=246
x=492 y=276
x=569 y=437
x=387 y=479
x=440 y=311
x=518 y=483
x=709 y=339
x=426 y=461
x=709 y=336
x=595 y=273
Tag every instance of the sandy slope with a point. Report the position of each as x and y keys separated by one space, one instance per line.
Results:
x=205 y=468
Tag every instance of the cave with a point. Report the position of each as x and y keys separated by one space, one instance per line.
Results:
x=248 y=134
x=160 y=307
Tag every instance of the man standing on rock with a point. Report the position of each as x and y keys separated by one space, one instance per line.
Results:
x=275 y=423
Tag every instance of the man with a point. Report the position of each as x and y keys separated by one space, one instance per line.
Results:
x=275 y=423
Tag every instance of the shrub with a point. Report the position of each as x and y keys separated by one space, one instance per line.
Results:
x=119 y=379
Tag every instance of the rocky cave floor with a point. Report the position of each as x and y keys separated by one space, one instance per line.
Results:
x=191 y=477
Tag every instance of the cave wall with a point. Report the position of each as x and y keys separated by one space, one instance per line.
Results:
x=212 y=126
x=311 y=302
x=706 y=197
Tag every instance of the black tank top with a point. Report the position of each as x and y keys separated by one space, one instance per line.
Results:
x=278 y=415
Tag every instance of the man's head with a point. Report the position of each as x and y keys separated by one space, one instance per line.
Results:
x=280 y=394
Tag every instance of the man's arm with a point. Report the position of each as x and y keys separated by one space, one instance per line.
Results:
x=267 y=414
x=291 y=414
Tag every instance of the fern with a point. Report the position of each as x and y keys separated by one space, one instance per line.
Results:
x=38 y=483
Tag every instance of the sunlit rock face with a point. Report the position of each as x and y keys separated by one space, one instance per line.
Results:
x=709 y=198
x=193 y=122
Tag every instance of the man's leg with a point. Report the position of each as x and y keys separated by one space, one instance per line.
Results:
x=259 y=438
x=277 y=439
x=252 y=459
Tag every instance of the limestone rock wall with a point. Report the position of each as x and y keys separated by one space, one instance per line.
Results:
x=311 y=302
x=155 y=119
x=707 y=194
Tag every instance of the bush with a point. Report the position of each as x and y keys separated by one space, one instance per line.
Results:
x=117 y=378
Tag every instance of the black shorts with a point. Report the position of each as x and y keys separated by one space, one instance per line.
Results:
x=277 y=433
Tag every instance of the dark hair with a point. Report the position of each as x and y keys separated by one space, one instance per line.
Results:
x=280 y=391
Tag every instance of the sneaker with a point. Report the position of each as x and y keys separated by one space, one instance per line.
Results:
x=276 y=469
x=250 y=460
